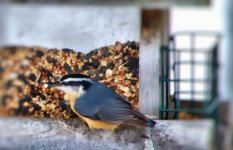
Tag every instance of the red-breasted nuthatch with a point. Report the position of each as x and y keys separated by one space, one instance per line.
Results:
x=98 y=105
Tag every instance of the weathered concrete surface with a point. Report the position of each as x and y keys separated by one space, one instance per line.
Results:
x=56 y=134
x=27 y=133
x=183 y=135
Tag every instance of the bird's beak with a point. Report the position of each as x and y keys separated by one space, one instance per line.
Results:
x=51 y=84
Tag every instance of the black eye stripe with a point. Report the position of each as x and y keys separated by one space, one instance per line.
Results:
x=64 y=83
x=70 y=83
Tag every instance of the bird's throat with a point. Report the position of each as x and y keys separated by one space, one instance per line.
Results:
x=72 y=96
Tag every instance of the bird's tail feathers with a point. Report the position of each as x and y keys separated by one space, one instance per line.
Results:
x=140 y=120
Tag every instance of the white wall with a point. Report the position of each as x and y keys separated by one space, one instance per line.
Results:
x=202 y=18
x=82 y=28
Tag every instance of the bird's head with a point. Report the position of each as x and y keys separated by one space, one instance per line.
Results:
x=72 y=83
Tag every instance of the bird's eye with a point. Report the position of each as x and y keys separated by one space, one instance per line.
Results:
x=68 y=83
x=72 y=83
x=64 y=83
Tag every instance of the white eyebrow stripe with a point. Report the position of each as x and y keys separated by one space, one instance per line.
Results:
x=77 y=79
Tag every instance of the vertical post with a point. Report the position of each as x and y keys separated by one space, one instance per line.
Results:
x=227 y=51
x=154 y=33
x=226 y=84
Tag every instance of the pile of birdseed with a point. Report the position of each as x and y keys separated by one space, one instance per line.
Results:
x=24 y=69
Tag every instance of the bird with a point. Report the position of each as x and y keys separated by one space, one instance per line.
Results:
x=97 y=104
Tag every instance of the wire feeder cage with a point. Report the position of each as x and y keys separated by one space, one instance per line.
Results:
x=189 y=75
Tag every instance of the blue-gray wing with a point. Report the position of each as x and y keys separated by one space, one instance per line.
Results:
x=93 y=100
x=102 y=103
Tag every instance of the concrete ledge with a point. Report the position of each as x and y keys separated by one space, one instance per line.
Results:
x=27 y=133
x=183 y=135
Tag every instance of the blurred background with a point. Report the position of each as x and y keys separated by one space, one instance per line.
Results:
x=180 y=52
